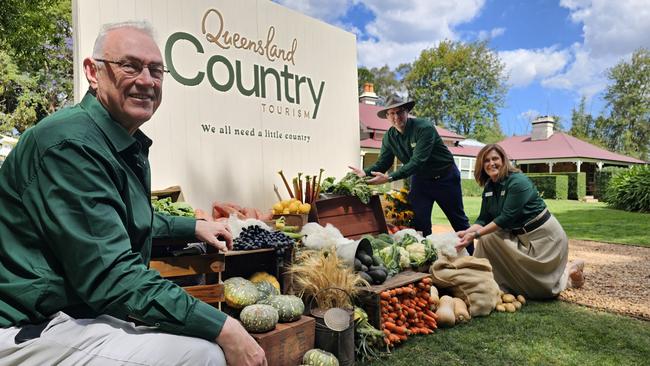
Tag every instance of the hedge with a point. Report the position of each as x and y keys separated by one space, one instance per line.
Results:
x=551 y=186
x=471 y=188
x=577 y=183
x=602 y=179
x=630 y=189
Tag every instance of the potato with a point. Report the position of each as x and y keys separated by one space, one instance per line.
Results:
x=507 y=298
x=521 y=299
x=500 y=308
x=517 y=304
x=510 y=307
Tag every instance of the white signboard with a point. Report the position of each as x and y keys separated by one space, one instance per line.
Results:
x=253 y=88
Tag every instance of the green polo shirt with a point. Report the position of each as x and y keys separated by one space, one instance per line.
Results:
x=76 y=226
x=510 y=203
x=419 y=148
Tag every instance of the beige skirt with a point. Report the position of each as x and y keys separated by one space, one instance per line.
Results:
x=531 y=264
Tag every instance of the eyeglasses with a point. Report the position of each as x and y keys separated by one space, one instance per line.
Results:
x=135 y=67
x=391 y=114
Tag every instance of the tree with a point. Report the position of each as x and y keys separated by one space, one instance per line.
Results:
x=628 y=98
x=584 y=126
x=36 y=44
x=364 y=76
x=386 y=81
x=460 y=86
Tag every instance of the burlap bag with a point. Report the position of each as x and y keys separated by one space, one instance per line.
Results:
x=470 y=279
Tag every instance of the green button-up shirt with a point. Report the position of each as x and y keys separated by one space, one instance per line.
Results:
x=76 y=226
x=510 y=203
x=419 y=148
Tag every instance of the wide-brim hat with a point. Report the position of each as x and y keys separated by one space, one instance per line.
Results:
x=395 y=102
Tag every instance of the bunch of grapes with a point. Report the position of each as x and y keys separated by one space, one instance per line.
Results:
x=255 y=237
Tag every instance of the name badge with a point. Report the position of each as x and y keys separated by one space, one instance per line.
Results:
x=488 y=194
x=503 y=193
x=413 y=144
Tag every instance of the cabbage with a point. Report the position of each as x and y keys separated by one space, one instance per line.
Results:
x=395 y=258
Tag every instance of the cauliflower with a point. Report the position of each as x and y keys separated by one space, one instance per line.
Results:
x=417 y=253
x=395 y=257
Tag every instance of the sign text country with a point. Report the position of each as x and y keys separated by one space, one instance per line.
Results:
x=253 y=132
x=284 y=84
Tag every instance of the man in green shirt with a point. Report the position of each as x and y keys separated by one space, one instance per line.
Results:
x=76 y=227
x=427 y=161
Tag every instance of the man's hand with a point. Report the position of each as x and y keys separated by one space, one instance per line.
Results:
x=238 y=346
x=210 y=231
x=378 y=178
x=359 y=172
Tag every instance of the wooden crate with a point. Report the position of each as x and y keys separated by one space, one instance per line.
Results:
x=351 y=216
x=195 y=265
x=368 y=298
x=288 y=342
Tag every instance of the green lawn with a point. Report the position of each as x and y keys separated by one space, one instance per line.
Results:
x=585 y=221
x=542 y=333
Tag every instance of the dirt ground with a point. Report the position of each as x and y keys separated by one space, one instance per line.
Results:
x=617 y=277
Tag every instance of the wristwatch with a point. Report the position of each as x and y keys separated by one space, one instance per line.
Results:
x=476 y=234
x=390 y=179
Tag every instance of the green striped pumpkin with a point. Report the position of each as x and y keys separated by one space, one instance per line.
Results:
x=318 y=357
x=259 y=318
x=290 y=307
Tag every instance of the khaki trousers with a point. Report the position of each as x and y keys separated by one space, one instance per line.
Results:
x=531 y=264
x=105 y=341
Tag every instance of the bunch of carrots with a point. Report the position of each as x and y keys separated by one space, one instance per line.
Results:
x=407 y=310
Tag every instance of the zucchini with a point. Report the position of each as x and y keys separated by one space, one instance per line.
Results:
x=357 y=264
x=365 y=259
x=378 y=276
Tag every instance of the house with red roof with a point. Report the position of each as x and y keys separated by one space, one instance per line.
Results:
x=543 y=151
x=373 y=129
x=548 y=151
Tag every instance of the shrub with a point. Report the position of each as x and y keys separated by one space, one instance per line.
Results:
x=551 y=186
x=629 y=190
x=602 y=179
x=470 y=188
x=577 y=183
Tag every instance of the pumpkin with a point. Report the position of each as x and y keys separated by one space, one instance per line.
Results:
x=240 y=292
x=259 y=318
x=445 y=312
x=318 y=357
x=266 y=289
x=263 y=276
x=290 y=307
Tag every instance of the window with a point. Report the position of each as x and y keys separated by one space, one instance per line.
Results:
x=466 y=167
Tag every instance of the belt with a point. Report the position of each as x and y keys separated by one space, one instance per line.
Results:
x=444 y=172
x=533 y=224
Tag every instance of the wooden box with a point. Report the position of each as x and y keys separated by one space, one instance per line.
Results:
x=288 y=342
x=351 y=216
x=298 y=220
x=175 y=192
x=368 y=298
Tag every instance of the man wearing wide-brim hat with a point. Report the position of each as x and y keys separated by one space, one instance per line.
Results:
x=427 y=161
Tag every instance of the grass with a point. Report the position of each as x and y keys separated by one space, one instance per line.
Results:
x=542 y=333
x=583 y=221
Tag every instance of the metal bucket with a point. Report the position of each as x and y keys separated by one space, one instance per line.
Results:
x=335 y=333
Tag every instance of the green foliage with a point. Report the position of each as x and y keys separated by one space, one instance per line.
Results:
x=386 y=81
x=167 y=207
x=552 y=186
x=628 y=128
x=350 y=185
x=36 y=70
x=602 y=178
x=460 y=86
x=470 y=188
x=629 y=190
x=577 y=183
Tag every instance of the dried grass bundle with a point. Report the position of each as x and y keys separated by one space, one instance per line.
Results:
x=316 y=270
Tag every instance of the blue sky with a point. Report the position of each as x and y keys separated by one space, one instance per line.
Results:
x=554 y=51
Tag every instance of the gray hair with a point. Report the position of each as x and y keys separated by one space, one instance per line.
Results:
x=142 y=25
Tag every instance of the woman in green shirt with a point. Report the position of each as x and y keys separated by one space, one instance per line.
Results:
x=525 y=244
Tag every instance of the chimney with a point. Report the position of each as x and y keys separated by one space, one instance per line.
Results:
x=542 y=128
x=368 y=96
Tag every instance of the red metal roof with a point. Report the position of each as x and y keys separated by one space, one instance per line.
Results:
x=371 y=143
x=368 y=117
x=471 y=151
x=559 y=145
